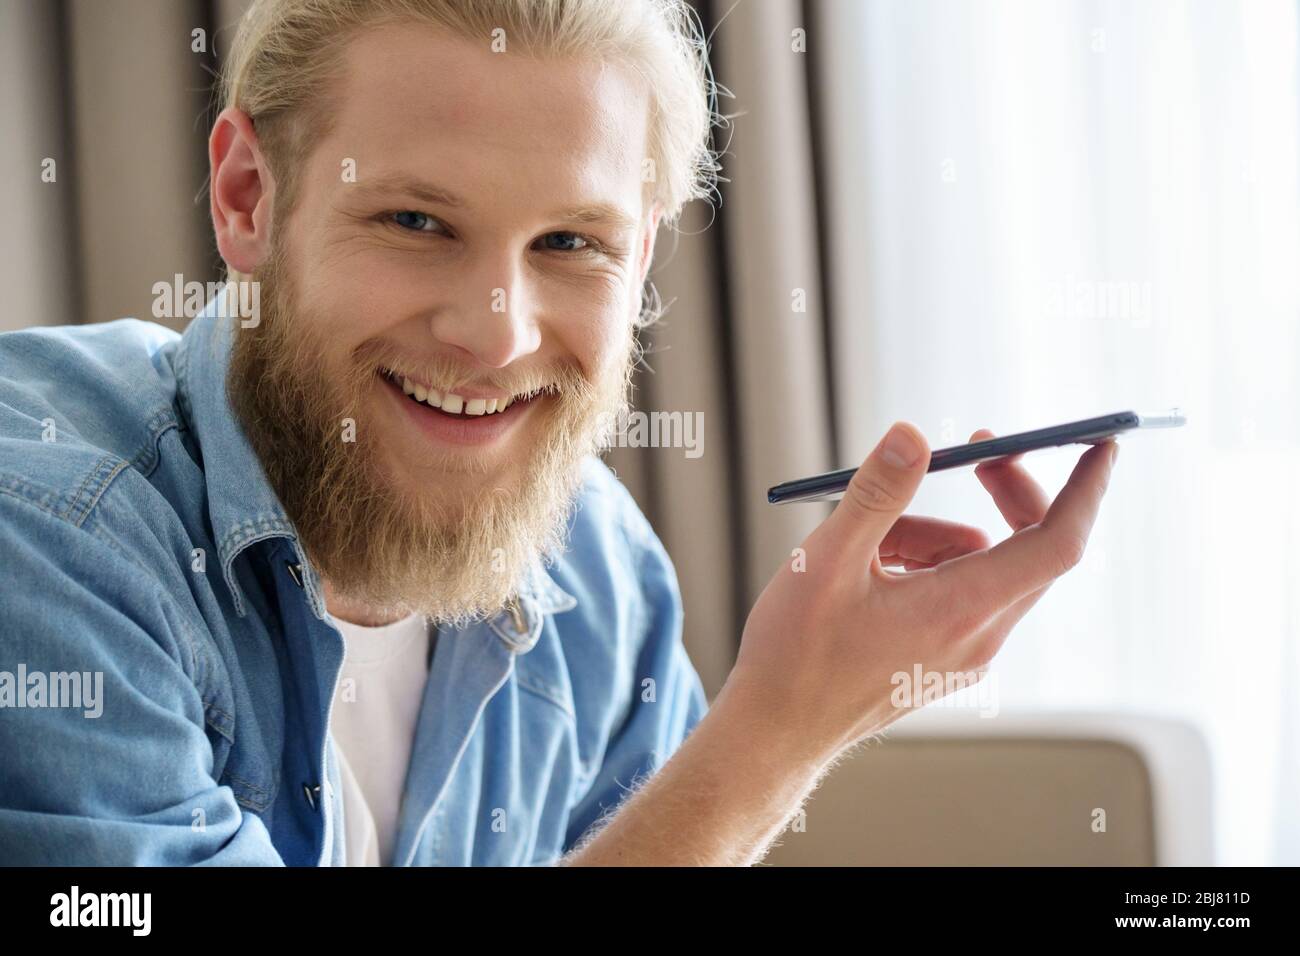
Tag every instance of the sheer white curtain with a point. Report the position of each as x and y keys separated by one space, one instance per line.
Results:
x=1050 y=210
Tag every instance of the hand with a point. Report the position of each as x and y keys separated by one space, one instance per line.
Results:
x=822 y=644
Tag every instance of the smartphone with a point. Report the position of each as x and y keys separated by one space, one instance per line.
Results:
x=1089 y=431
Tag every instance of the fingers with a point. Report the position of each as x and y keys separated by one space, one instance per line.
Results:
x=1038 y=554
x=1018 y=496
x=918 y=541
x=881 y=488
x=1023 y=502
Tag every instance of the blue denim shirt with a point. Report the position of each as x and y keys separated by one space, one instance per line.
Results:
x=142 y=543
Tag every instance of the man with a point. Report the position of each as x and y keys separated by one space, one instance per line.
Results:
x=345 y=576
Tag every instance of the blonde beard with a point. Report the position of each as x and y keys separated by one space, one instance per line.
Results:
x=452 y=559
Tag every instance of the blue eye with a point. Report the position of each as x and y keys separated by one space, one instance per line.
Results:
x=414 y=221
x=566 y=242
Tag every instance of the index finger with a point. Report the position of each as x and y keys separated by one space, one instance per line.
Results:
x=1035 y=556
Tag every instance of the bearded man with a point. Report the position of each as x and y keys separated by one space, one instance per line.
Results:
x=349 y=572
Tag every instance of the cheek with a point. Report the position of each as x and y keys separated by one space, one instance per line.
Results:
x=355 y=292
x=593 y=323
x=349 y=307
x=596 y=338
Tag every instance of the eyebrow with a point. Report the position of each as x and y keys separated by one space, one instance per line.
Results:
x=591 y=212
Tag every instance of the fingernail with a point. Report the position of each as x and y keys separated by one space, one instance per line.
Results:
x=1114 y=453
x=899 y=448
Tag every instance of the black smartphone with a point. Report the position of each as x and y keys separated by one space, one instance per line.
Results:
x=1089 y=431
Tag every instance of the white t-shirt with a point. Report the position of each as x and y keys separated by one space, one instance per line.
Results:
x=376 y=708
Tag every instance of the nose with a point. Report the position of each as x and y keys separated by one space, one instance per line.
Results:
x=493 y=314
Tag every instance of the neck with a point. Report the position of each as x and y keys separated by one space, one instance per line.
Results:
x=356 y=612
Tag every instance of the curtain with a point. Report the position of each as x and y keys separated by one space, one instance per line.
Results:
x=36 y=245
x=1053 y=210
x=118 y=95
x=744 y=340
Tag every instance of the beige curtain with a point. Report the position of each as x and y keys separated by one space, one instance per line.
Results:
x=735 y=344
x=37 y=243
x=113 y=92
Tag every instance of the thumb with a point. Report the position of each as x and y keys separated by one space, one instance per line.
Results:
x=882 y=487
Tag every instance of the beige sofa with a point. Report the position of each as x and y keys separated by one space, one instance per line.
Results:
x=948 y=787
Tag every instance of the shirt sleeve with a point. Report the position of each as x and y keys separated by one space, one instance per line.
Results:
x=125 y=777
x=667 y=701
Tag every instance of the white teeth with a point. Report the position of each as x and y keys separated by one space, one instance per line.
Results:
x=450 y=402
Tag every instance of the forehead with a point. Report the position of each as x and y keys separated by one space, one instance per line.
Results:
x=418 y=99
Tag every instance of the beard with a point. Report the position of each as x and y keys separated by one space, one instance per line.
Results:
x=455 y=551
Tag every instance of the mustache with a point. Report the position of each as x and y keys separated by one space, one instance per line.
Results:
x=564 y=380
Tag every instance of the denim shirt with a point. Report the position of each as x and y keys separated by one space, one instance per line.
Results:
x=143 y=550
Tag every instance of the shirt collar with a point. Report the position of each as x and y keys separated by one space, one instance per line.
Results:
x=242 y=506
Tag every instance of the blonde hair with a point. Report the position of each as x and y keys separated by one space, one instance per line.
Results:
x=284 y=59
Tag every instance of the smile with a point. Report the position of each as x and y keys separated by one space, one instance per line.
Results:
x=450 y=402
x=449 y=418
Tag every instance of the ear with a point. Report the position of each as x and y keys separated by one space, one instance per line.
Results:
x=646 y=250
x=241 y=193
